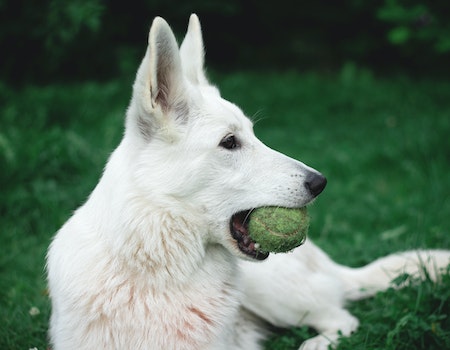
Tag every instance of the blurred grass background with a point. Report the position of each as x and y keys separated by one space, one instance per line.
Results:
x=358 y=90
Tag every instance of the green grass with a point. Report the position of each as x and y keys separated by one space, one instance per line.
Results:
x=383 y=144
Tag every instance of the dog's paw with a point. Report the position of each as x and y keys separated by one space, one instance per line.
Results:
x=338 y=323
x=319 y=342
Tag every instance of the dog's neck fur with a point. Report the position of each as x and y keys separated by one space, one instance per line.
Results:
x=158 y=260
x=155 y=238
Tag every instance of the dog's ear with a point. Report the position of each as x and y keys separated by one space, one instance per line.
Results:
x=192 y=53
x=159 y=88
x=165 y=65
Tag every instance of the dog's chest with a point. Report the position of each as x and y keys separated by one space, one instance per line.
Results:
x=200 y=313
x=202 y=318
x=197 y=314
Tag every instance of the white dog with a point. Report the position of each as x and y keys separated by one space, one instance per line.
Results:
x=152 y=260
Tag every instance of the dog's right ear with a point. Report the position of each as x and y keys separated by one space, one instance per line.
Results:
x=159 y=88
x=192 y=53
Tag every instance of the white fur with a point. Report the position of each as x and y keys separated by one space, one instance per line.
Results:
x=148 y=261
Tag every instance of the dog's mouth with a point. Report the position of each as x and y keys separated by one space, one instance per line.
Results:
x=239 y=231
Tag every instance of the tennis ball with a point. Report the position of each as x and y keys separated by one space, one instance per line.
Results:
x=278 y=230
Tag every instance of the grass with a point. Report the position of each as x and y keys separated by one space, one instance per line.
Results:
x=382 y=143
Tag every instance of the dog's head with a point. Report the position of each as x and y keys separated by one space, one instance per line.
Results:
x=196 y=150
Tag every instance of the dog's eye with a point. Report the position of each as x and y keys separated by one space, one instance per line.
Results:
x=229 y=142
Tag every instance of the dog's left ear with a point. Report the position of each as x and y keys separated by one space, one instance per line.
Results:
x=159 y=89
x=192 y=53
x=165 y=65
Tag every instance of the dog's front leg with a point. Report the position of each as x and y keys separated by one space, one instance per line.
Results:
x=331 y=324
x=299 y=288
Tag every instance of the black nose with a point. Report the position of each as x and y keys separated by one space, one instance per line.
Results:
x=315 y=183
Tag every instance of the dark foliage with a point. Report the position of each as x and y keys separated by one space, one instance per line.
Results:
x=55 y=39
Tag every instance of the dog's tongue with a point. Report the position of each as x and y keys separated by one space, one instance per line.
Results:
x=239 y=223
x=239 y=229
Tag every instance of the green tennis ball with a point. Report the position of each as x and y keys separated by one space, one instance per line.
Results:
x=278 y=230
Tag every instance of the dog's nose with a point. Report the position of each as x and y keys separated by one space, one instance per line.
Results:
x=315 y=183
